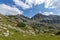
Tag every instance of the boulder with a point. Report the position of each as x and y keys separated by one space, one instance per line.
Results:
x=52 y=34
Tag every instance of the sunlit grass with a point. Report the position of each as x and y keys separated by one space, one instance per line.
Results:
x=23 y=36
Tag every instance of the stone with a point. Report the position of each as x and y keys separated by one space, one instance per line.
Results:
x=0 y=17
x=7 y=31
x=4 y=28
x=52 y=34
x=6 y=34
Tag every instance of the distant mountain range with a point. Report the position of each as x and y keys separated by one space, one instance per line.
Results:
x=51 y=19
x=38 y=19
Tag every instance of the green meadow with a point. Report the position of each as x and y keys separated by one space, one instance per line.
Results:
x=24 y=36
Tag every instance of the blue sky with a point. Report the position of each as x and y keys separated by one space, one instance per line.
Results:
x=30 y=7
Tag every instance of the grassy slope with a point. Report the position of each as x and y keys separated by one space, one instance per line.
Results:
x=19 y=36
x=23 y=36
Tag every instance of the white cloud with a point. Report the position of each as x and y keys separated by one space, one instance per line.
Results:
x=40 y=11
x=48 y=3
x=38 y=2
x=22 y=4
x=5 y=9
x=35 y=2
x=29 y=3
x=51 y=3
x=48 y=13
x=57 y=4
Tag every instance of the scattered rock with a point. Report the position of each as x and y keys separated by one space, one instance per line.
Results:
x=52 y=34
x=0 y=17
x=6 y=34
x=7 y=31
x=4 y=28
x=41 y=31
x=9 y=26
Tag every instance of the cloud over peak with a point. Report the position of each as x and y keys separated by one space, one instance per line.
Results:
x=48 y=13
